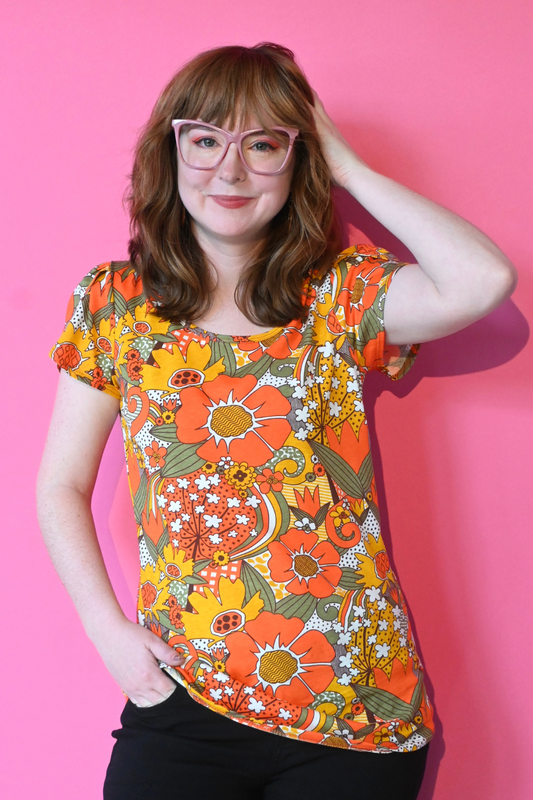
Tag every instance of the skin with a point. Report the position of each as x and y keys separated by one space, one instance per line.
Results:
x=460 y=276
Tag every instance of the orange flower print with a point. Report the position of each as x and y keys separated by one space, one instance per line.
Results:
x=156 y=454
x=148 y=594
x=67 y=356
x=270 y=480
x=274 y=654
x=232 y=417
x=304 y=563
x=360 y=290
x=98 y=380
x=382 y=563
x=134 y=365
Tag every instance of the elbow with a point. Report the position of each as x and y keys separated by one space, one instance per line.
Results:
x=505 y=281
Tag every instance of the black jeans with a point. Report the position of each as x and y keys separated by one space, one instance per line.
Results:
x=180 y=749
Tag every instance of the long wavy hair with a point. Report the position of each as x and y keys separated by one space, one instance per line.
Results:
x=262 y=82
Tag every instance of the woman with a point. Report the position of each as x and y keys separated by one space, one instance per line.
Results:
x=265 y=593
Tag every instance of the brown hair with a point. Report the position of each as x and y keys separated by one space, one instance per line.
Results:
x=265 y=82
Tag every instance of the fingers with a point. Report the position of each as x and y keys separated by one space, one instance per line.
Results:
x=163 y=652
x=153 y=697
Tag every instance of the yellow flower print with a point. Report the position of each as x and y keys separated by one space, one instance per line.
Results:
x=241 y=475
x=220 y=558
x=174 y=372
x=381 y=736
x=173 y=564
x=216 y=618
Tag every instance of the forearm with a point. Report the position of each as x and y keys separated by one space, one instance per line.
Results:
x=69 y=534
x=453 y=253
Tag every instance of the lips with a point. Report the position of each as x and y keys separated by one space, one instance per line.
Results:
x=230 y=201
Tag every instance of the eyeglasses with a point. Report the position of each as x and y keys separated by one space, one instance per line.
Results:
x=203 y=146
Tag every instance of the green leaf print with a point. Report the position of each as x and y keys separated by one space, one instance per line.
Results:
x=139 y=501
x=222 y=349
x=253 y=583
x=300 y=605
x=167 y=433
x=121 y=307
x=102 y=313
x=256 y=368
x=388 y=706
x=339 y=469
x=368 y=329
x=350 y=579
x=181 y=459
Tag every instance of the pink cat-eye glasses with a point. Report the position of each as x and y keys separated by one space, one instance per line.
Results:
x=203 y=146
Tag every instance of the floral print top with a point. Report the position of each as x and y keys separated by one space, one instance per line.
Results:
x=250 y=471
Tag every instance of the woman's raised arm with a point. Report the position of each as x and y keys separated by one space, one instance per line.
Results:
x=80 y=426
x=461 y=275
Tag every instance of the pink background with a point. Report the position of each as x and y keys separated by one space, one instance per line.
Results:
x=434 y=94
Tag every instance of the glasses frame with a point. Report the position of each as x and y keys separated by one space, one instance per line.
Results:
x=231 y=138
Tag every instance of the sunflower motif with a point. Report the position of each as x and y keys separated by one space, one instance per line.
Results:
x=215 y=618
x=173 y=372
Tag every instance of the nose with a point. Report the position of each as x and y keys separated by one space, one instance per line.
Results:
x=231 y=168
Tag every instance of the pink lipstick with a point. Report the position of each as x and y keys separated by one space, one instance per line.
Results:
x=230 y=201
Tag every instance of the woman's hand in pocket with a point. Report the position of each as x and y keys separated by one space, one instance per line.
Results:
x=131 y=654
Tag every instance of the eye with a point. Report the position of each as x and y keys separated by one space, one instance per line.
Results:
x=264 y=146
x=205 y=141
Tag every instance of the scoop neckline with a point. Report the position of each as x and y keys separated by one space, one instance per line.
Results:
x=256 y=337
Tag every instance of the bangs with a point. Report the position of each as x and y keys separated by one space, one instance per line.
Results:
x=243 y=89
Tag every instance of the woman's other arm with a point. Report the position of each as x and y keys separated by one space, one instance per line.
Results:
x=80 y=426
x=461 y=275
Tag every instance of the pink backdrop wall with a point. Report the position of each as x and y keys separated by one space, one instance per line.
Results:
x=438 y=96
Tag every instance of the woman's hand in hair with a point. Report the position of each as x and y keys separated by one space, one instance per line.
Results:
x=340 y=157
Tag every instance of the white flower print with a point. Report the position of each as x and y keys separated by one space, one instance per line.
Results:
x=215 y=538
x=212 y=498
x=202 y=482
x=382 y=650
x=334 y=409
x=344 y=679
x=256 y=705
x=299 y=392
x=253 y=501
x=183 y=483
x=373 y=594
x=175 y=525
x=174 y=506
x=232 y=534
x=335 y=382
x=171 y=488
x=301 y=434
x=216 y=694
x=161 y=501
x=249 y=690
x=383 y=624
x=327 y=349
x=212 y=521
x=233 y=502
x=345 y=661
x=242 y=519
x=302 y=414
x=284 y=714
x=200 y=509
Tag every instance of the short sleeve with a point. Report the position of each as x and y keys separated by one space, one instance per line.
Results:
x=86 y=348
x=364 y=275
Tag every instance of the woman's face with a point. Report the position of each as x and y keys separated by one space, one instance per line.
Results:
x=229 y=204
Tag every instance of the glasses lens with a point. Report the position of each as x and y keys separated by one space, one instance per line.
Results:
x=200 y=145
x=265 y=152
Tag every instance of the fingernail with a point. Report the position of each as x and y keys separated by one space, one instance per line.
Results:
x=177 y=659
